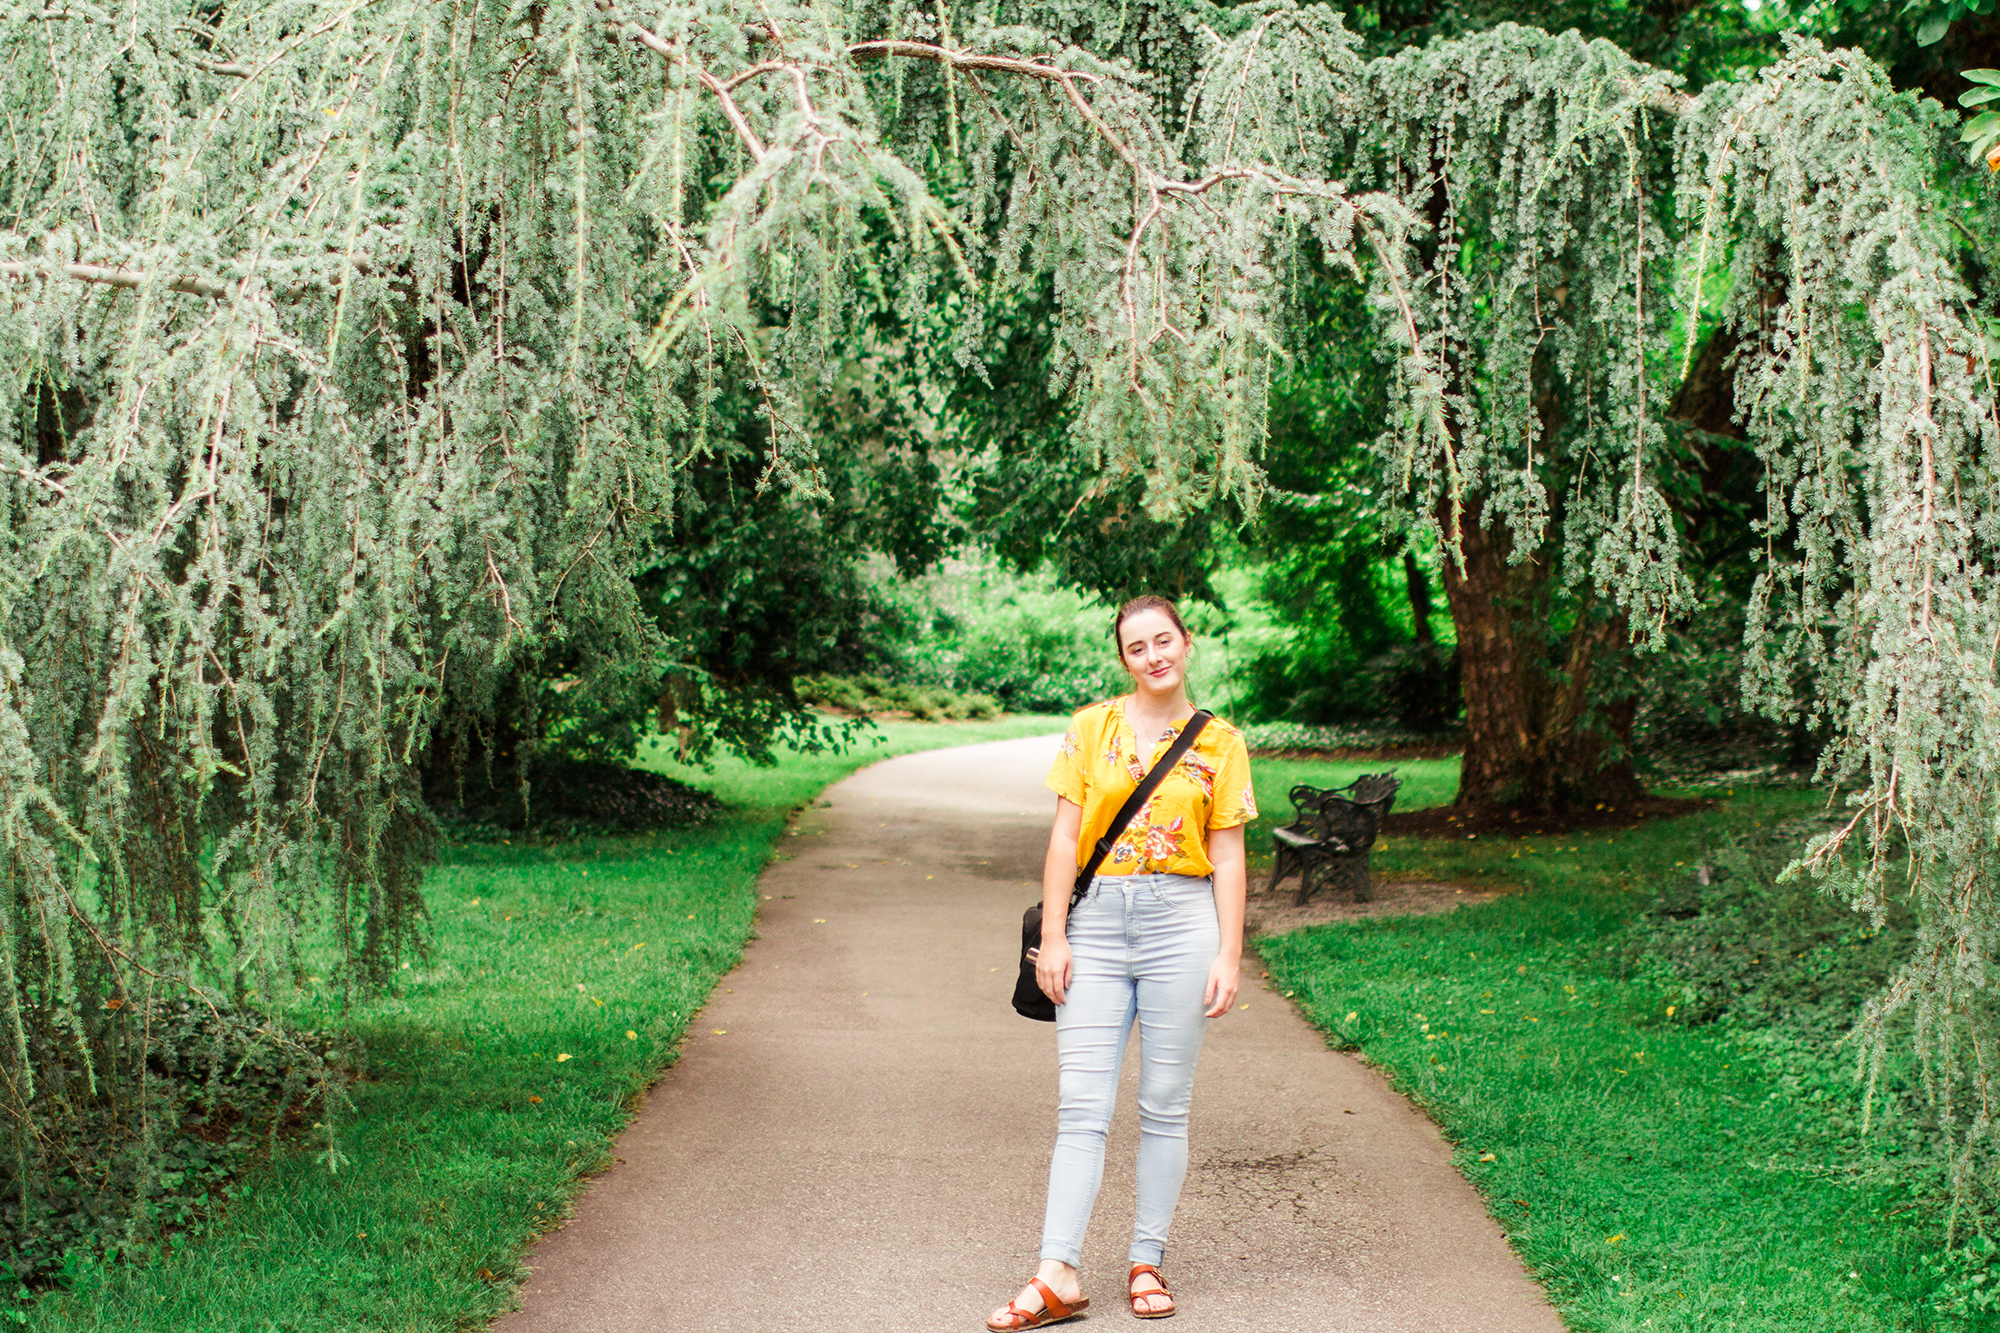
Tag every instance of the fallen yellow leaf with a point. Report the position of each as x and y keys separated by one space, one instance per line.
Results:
x=630 y=1035
x=1613 y=1240
x=564 y=1056
x=1486 y=1157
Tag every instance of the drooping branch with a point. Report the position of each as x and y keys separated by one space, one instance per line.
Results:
x=123 y=278
x=232 y=69
x=469 y=517
x=126 y=279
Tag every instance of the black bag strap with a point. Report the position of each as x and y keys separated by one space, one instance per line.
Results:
x=1156 y=775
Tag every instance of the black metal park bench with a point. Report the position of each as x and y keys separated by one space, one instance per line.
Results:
x=1331 y=835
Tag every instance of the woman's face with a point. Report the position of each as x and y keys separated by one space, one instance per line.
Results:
x=1153 y=650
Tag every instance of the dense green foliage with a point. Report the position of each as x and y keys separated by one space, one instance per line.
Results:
x=1749 y=948
x=357 y=358
x=975 y=625
x=869 y=694
x=1366 y=637
x=225 y=1085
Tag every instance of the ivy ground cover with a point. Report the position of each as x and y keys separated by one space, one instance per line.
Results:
x=497 y=1074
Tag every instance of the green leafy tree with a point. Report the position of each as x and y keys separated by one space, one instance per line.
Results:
x=1040 y=504
x=1338 y=571
x=358 y=352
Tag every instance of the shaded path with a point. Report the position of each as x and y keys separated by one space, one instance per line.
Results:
x=867 y=1144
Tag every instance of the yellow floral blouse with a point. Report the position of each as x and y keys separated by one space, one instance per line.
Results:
x=1099 y=765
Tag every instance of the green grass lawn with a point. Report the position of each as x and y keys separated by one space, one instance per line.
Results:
x=1653 y=1175
x=800 y=776
x=498 y=1073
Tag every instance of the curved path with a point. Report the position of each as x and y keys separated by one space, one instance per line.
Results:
x=866 y=1143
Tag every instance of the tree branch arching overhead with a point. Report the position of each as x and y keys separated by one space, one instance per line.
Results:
x=393 y=324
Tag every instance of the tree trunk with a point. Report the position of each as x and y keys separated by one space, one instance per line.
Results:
x=1531 y=743
x=1419 y=589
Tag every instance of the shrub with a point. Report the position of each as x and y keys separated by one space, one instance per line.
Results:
x=1743 y=944
x=1691 y=719
x=1412 y=687
x=872 y=694
x=565 y=796
x=1277 y=737
x=216 y=1086
x=975 y=627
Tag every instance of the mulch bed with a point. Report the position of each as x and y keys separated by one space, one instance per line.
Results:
x=1275 y=912
x=1445 y=821
x=572 y=798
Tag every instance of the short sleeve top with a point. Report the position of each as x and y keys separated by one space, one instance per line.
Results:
x=1101 y=761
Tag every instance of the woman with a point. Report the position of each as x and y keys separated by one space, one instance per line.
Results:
x=1159 y=937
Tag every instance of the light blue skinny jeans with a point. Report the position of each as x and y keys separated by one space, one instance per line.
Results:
x=1141 y=947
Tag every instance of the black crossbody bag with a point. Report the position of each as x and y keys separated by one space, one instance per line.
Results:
x=1029 y=1001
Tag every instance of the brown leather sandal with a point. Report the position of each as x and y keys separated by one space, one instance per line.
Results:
x=1053 y=1310
x=1136 y=1296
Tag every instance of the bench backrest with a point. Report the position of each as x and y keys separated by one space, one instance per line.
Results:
x=1353 y=813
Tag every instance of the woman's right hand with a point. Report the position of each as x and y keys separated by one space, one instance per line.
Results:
x=1052 y=967
x=1052 y=960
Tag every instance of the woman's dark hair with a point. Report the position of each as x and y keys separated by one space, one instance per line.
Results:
x=1150 y=602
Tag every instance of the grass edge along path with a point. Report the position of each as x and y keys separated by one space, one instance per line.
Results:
x=498 y=1073
x=1650 y=1174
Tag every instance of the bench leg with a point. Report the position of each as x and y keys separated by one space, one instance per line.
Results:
x=1308 y=864
x=1280 y=865
x=1348 y=874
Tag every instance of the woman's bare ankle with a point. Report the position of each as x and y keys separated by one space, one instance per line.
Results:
x=1060 y=1277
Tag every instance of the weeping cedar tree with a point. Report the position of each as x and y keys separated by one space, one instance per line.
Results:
x=356 y=351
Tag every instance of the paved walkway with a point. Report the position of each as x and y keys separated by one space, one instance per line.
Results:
x=866 y=1144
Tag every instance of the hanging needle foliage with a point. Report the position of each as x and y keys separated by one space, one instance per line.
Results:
x=1866 y=388
x=355 y=350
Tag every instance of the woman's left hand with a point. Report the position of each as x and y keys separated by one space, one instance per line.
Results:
x=1223 y=977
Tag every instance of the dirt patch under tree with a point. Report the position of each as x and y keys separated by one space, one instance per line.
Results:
x=1275 y=912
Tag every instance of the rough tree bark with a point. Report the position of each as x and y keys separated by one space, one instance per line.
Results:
x=1533 y=743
